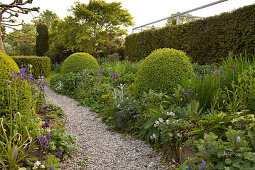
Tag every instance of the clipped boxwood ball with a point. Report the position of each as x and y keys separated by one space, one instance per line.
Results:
x=163 y=70
x=78 y=62
x=20 y=96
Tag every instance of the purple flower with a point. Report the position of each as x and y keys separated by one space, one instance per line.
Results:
x=190 y=91
x=22 y=71
x=187 y=94
x=47 y=125
x=48 y=137
x=31 y=76
x=245 y=76
x=224 y=153
x=50 y=168
x=59 y=153
x=102 y=70
x=199 y=167
x=44 y=143
x=110 y=70
x=203 y=162
x=232 y=67
x=15 y=75
x=45 y=107
x=238 y=139
x=41 y=138
x=43 y=126
x=136 y=116
x=220 y=68
x=144 y=55
x=44 y=84
x=187 y=167
x=41 y=77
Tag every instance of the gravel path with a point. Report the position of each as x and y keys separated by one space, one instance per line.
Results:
x=108 y=150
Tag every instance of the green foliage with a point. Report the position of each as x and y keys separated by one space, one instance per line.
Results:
x=60 y=141
x=78 y=62
x=206 y=41
x=182 y=19
x=92 y=28
x=42 y=38
x=11 y=88
x=47 y=17
x=40 y=65
x=163 y=70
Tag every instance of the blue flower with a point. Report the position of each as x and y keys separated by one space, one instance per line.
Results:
x=41 y=77
x=45 y=107
x=238 y=139
x=22 y=71
x=50 y=168
x=203 y=162
x=199 y=167
x=59 y=153
x=48 y=137
x=44 y=143
x=41 y=138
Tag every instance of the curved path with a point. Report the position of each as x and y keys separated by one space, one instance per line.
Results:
x=108 y=150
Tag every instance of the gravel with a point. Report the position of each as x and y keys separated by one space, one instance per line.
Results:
x=107 y=150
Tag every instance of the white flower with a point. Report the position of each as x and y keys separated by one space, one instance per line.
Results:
x=154 y=135
x=160 y=120
x=37 y=163
x=170 y=134
x=151 y=137
x=156 y=123
x=167 y=113
x=29 y=65
x=179 y=135
x=167 y=122
x=42 y=166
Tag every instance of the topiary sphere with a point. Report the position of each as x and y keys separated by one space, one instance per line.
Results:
x=11 y=88
x=78 y=62
x=163 y=70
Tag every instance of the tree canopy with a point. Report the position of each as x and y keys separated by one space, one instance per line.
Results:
x=91 y=26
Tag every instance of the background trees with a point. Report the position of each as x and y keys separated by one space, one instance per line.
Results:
x=8 y=11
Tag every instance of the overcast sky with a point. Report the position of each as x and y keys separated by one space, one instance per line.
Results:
x=145 y=11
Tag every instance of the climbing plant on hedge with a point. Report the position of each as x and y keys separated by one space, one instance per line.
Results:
x=78 y=62
x=42 y=39
x=163 y=70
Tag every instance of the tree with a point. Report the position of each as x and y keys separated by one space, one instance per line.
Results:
x=42 y=39
x=91 y=25
x=8 y=11
x=46 y=17
x=182 y=20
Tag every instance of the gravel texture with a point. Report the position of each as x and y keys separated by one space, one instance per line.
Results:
x=108 y=150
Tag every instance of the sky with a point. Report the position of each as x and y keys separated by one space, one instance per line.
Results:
x=144 y=11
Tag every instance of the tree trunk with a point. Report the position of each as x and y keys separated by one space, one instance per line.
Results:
x=1 y=34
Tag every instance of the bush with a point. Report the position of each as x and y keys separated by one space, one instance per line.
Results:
x=78 y=62
x=16 y=90
x=42 y=45
x=206 y=41
x=40 y=65
x=163 y=70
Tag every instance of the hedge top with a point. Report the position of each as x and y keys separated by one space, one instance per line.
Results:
x=78 y=62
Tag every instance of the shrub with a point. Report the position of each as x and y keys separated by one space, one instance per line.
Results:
x=163 y=70
x=78 y=62
x=42 y=39
x=15 y=89
x=40 y=65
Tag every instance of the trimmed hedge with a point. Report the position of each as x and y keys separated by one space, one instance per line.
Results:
x=78 y=62
x=163 y=70
x=206 y=41
x=42 y=38
x=40 y=65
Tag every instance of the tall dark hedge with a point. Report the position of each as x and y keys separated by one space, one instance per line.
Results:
x=42 y=39
x=207 y=41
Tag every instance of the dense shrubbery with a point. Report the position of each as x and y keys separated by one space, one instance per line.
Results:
x=209 y=118
x=40 y=65
x=78 y=62
x=11 y=87
x=27 y=125
x=206 y=41
x=163 y=70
